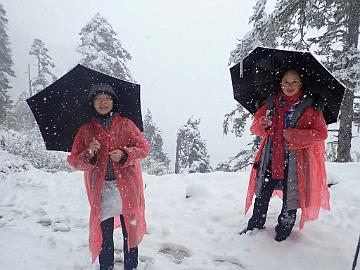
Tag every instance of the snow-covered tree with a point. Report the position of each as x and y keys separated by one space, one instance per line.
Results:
x=102 y=50
x=20 y=116
x=157 y=161
x=29 y=146
x=263 y=33
x=339 y=41
x=6 y=67
x=45 y=66
x=191 y=150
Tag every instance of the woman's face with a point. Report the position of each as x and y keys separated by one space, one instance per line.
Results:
x=103 y=104
x=291 y=83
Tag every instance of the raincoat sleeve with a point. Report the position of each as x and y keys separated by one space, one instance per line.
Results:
x=137 y=147
x=257 y=127
x=80 y=157
x=315 y=132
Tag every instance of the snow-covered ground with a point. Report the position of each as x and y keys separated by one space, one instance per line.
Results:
x=44 y=223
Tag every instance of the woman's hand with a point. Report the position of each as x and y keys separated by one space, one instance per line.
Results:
x=266 y=122
x=286 y=135
x=116 y=155
x=94 y=146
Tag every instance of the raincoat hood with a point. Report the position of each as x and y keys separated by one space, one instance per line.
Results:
x=102 y=88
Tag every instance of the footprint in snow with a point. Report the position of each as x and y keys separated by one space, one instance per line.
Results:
x=60 y=227
x=44 y=221
x=229 y=263
x=56 y=226
x=176 y=253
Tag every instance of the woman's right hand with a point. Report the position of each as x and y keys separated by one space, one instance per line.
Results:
x=266 y=122
x=94 y=146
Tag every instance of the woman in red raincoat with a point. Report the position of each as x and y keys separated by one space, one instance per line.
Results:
x=290 y=158
x=109 y=149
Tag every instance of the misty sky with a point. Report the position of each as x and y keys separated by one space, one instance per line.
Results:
x=180 y=53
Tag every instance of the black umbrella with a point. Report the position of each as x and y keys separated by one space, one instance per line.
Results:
x=258 y=75
x=63 y=106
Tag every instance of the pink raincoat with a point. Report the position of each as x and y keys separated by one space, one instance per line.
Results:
x=307 y=139
x=124 y=135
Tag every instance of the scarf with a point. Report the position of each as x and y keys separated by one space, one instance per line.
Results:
x=282 y=104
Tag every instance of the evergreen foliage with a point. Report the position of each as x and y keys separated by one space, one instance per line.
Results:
x=21 y=117
x=339 y=43
x=30 y=147
x=45 y=66
x=157 y=162
x=102 y=50
x=263 y=33
x=191 y=150
x=6 y=68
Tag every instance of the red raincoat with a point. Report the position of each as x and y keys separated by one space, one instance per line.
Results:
x=123 y=134
x=307 y=139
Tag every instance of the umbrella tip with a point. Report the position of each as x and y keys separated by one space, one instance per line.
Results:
x=241 y=69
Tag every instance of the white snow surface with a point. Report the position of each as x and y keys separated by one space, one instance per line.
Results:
x=44 y=223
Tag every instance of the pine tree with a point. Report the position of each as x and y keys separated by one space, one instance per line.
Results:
x=45 y=65
x=191 y=150
x=6 y=67
x=263 y=33
x=339 y=42
x=21 y=117
x=102 y=50
x=157 y=162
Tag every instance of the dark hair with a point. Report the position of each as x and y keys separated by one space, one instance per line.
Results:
x=102 y=88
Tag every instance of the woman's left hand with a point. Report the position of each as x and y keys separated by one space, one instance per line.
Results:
x=286 y=135
x=116 y=155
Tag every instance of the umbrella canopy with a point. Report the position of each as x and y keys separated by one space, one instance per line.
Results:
x=63 y=106
x=258 y=75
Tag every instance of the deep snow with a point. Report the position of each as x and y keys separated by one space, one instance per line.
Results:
x=44 y=223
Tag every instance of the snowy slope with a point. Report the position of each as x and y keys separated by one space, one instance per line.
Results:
x=44 y=223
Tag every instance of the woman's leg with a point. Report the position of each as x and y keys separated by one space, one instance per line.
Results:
x=106 y=256
x=130 y=256
x=261 y=203
x=286 y=219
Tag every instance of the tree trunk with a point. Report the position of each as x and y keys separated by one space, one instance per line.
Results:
x=346 y=116
x=177 y=156
x=345 y=132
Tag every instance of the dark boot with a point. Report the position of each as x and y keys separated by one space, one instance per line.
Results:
x=286 y=221
x=102 y=267
x=131 y=259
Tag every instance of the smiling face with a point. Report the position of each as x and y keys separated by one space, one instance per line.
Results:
x=103 y=104
x=291 y=83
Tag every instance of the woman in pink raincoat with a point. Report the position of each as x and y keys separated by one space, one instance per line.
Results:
x=290 y=158
x=109 y=149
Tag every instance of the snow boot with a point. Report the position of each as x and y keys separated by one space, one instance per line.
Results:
x=281 y=233
x=104 y=267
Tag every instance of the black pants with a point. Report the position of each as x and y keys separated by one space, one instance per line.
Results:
x=286 y=219
x=106 y=257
